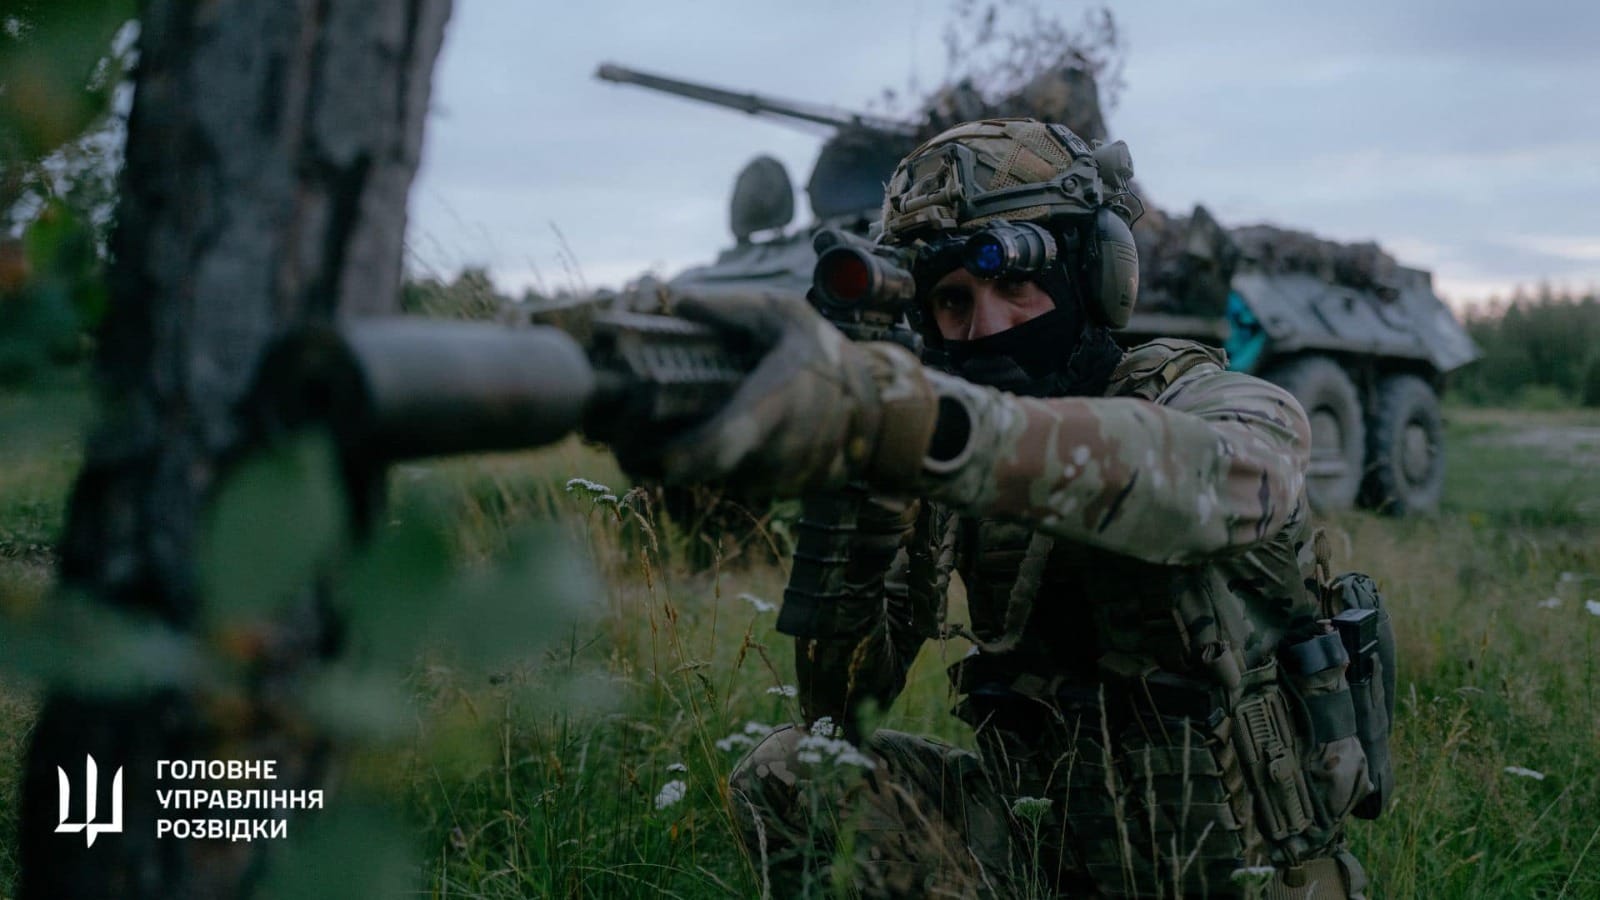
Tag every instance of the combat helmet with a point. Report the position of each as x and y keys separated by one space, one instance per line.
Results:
x=979 y=175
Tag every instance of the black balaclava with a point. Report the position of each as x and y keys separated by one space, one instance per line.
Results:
x=1060 y=353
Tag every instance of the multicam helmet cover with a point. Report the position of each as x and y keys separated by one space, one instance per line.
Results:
x=1017 y=169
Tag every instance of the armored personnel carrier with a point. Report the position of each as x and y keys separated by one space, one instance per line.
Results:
x=1362 y=341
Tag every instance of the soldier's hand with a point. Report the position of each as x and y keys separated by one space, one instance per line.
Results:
x=817 y=411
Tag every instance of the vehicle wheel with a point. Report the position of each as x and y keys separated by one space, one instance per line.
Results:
x=1338 y=434
x=1405 y=445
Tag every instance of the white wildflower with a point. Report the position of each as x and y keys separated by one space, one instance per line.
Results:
x=1252 y=876
x=588 y=487
x=1568 y=576
x=816 y=749
x=1593 y=606
x=671 y=793
x=734 y=742
x=783 y=690
x=761 y=606
x=824 y=727
x=1525 y=773
x=1030 y=808
x=677 y=767
x=756 y=728
x=1550 y=603
x=850 y=756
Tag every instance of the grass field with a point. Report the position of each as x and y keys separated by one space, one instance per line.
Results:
x=586 y=753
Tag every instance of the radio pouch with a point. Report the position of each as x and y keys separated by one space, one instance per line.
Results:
x=1353 y=605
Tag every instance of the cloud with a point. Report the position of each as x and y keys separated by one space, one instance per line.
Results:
x=1573 y=247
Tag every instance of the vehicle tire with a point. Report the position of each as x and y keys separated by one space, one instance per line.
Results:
x=1405 y=448
x=1338 y=432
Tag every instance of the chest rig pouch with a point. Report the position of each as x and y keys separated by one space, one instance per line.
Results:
x=1355 y=610
x=1343 y=679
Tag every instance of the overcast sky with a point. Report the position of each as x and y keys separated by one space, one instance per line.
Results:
x=1462 y=135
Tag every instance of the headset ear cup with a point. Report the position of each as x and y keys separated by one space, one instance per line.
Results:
x=1114 y=277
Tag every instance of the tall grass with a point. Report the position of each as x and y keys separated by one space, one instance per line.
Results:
x=597 y=766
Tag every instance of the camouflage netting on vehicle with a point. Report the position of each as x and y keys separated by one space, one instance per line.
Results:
x=1065 y=94
x=1363 y=266
x=1187 y=262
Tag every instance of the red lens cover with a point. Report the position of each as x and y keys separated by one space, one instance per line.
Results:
x=845 y=276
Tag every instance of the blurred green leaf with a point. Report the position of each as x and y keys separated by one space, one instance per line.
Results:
x=277 y=520
x=537 y=594
x=43 y=307
x=405 y=590
x=52 y=51
x=350 y=851
x=95 y=649
x=359 y=704
x=390 y=591
x=454 y=743
x=585 y=694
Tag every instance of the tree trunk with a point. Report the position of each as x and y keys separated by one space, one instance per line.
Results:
x=271 y=147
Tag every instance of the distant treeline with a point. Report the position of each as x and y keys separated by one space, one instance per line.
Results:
x=470 y=295
x=1541 y=350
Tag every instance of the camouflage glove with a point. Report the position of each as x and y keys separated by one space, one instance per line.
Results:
x=817 y=411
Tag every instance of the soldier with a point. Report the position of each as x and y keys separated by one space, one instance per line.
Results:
x=1151 y=710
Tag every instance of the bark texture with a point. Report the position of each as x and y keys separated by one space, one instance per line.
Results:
x=271 y=147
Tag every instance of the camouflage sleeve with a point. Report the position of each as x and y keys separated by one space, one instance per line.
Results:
x=1216 y=463
x=869 y=660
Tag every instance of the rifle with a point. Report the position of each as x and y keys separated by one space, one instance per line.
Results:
x=401 y=388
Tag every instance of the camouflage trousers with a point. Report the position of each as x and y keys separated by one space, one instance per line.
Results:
x=907 y=816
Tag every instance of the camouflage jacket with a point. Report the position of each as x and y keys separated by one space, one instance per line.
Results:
x=1163 y=527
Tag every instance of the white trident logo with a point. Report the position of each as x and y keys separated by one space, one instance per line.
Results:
x=91 y=775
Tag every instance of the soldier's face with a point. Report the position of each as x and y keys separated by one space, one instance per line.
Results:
x=966 y=307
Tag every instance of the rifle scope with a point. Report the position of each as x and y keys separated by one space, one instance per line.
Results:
x=848 y=277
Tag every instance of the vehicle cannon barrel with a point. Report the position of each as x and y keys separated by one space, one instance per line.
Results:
x=753 y=103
